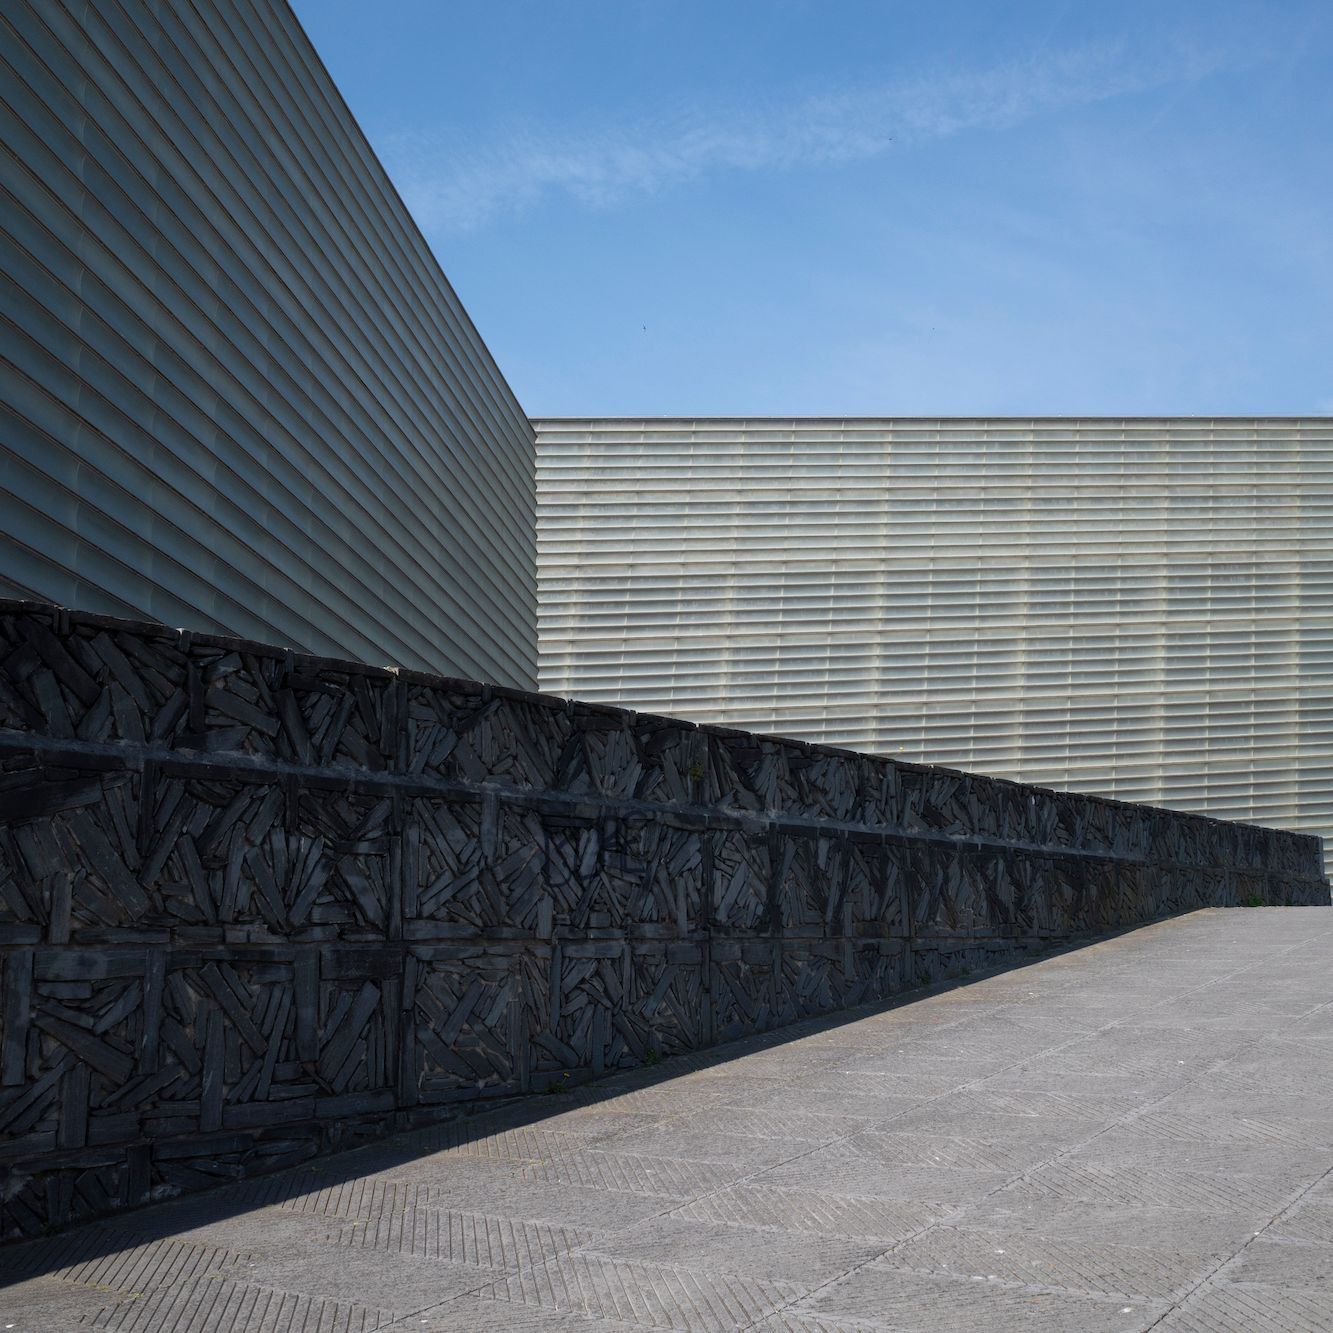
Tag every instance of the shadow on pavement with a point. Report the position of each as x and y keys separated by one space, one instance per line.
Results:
x=160 y=1220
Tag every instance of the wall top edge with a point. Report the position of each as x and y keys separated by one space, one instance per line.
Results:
x=64 y=619
x=1194 y=419
x=405 y=219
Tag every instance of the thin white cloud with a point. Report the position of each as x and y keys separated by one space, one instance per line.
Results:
x=452 y=186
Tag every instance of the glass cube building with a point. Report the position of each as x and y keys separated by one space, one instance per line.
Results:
x=1136 y=607
x=237 y=392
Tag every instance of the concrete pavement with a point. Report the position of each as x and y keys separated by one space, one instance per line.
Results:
x=1131 y=1135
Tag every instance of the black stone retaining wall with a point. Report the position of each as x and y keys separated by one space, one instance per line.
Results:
x=256 y=905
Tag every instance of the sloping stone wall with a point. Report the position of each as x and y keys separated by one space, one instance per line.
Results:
x=255 y=905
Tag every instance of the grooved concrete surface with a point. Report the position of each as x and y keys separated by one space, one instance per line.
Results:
x=1131 y=1135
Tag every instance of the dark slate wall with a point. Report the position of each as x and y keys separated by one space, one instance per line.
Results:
x=239 y=394
x=254 y=905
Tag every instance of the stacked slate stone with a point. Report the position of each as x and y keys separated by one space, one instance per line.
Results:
x=255 y=905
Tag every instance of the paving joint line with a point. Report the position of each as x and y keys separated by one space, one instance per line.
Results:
x=1128 y=1117
x=1209 y=1278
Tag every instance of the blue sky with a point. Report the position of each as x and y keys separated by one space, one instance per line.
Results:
x=943 y=207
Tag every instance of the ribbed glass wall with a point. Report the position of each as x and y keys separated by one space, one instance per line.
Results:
x=236 y=391
x=1140 y=608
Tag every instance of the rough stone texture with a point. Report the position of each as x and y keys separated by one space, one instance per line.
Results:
x=1108 y=1139
x=255 y=905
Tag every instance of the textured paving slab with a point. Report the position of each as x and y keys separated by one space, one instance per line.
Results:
x=1130 y=1136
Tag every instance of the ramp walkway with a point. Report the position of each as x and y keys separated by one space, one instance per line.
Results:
x=1132 y=1135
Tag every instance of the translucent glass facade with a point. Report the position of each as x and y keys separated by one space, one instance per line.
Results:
x=236 y=392
x=1141 y=608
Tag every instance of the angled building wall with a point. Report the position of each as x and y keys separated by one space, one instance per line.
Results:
x=238 y=394
x=1137 y=608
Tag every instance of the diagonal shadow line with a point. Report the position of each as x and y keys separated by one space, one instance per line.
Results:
x=161 y=1220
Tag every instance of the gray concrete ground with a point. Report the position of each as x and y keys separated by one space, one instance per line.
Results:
x=1132 y=1135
